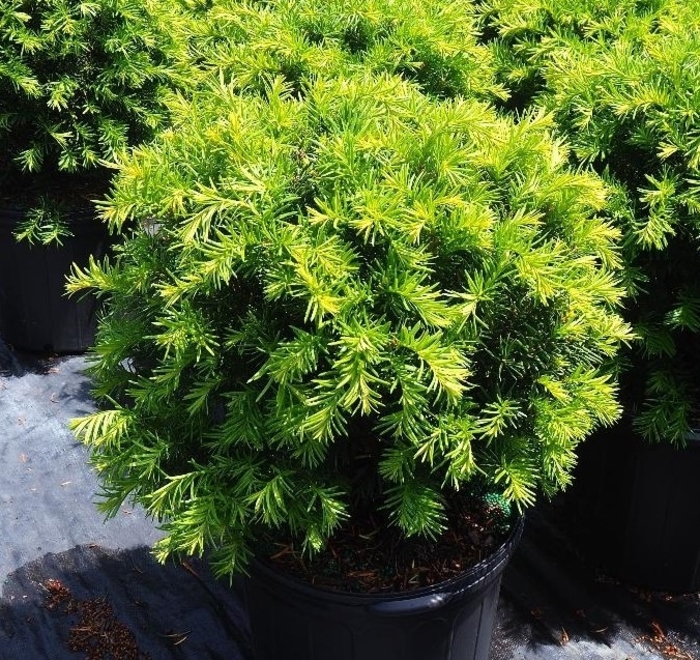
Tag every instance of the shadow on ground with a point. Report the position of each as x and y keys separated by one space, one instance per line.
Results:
x=556 y=603
x=174 y=611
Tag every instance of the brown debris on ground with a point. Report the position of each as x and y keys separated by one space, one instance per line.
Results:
x=97 y=632
x=660 y=642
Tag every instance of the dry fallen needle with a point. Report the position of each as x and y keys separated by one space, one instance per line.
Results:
x=661 y=643
x=97 y=633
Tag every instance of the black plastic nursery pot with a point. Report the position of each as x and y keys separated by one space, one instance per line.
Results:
x=35 y=314
x=641 y=505
x=292 y=620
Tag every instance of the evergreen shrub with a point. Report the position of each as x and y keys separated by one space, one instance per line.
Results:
x=347 y=292
x=80 y=81
x=623 y=82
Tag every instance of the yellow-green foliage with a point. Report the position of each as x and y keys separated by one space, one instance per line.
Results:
x=349 y=287
x=80 y=81
x=623 y=81
x=432 y=43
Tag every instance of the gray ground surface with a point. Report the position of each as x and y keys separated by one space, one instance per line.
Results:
x=553 y=605
x=51 y=530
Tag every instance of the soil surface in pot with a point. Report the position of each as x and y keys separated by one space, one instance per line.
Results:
x=371 y=556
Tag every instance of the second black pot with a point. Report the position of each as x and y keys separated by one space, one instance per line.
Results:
x=640 y=503
x=292 y=620
x=35 y=314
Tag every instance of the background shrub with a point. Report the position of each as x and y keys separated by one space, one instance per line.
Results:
x=80 y=81
x=430 y=43
x=622 y=80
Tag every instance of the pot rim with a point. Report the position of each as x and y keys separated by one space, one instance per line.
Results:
x=475 y=575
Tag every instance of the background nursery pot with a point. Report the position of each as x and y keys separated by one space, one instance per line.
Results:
x=454 y=619
x=35 y=314
x=639 y=501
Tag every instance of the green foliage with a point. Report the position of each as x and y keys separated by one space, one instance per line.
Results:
x=80 y=81
x=498 y=509
x=44 y=222
x=623 y=81
x=431 y=43
x=347 y=291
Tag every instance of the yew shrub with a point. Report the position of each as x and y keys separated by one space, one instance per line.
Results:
x=351 y=288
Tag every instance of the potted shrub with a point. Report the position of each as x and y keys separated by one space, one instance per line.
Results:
x=358 y=318
x=79 y=82
x=621 y=81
